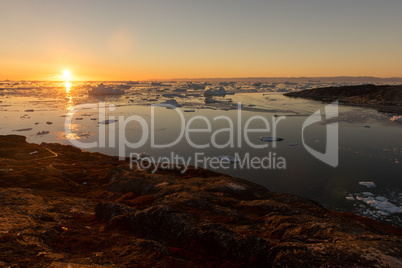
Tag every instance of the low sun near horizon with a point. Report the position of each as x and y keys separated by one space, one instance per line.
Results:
x=137 y=40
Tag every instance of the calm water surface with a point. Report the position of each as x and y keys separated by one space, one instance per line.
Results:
x=370 y=144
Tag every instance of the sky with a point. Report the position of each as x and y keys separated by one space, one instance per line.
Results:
x=159 y=39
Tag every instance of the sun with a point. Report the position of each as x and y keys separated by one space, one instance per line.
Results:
x=66 y=74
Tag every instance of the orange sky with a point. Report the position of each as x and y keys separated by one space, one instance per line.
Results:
x=141 y=40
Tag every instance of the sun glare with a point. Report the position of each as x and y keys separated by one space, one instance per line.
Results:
x=68 y=86
x=66 y=74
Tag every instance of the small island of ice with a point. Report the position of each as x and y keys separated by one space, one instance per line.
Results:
x=368 y=184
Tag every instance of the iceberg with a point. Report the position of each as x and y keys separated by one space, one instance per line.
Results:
x=210 y=100
x=215 y=92
x=101 y=89
x=169 y=104
x=381 y=204
x=143 y=155
x=368 y=184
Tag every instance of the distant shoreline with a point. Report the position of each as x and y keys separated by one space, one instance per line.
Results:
x=350 y=79
x=383 y=98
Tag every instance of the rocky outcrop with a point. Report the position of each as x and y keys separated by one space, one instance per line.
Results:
x=62 y=206
x=386 y=98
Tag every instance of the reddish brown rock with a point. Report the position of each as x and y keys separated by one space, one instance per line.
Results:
x=122 y=217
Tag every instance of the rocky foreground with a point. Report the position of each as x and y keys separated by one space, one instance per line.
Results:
x=384 y=97
x=61 y=207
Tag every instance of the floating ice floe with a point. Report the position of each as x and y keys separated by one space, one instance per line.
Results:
x=367 y=194
x=109 y=121
x=172 y=103
x=215 y=92
x=208 y=107
x=23 y=129
x=84 y=135
x=368 y=184
x=143 y=155
x=381 y=198
x=227 y=158
x=270 y=139
x=397 y=118
x=103 y=90
x=380 y=203
x=210 y=100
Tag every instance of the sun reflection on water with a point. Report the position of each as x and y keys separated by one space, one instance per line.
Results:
x=68 y=86
x=69 y=97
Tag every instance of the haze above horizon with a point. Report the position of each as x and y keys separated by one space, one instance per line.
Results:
x=144 y=40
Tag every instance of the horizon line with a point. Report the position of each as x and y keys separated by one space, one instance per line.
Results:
x=219 y=78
